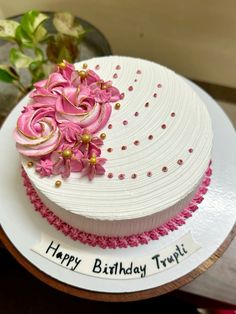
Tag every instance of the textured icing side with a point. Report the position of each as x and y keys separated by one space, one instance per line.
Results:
x=122 y=241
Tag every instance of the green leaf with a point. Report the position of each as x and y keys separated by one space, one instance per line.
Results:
x=64 y=54
x=36 y=70
x=8 y=74
x=31 y=21
x=65 y=23
x=40 y=34
x=23 y=38
x=8 y=29
x=35 y=65
x=62 y=47
x=39 y=55
x=19 y=59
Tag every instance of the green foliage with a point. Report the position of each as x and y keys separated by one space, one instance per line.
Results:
x=8 y=29
x=8 y=74
x=19 y=59
x=66 y=24
x=32 y=39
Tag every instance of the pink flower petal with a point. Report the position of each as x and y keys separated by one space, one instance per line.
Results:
x=76 y=165
x=67 y=169
x=58 y=167
x=99 y=169
x=91 y=173
x=101 y=120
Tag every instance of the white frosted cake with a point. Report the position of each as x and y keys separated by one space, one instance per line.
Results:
x=114 y=149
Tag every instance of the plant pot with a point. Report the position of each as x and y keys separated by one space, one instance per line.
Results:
x=94 y=44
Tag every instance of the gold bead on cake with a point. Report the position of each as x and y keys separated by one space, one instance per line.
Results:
x=62 y=65
x=57 y=183
x=67 y=153
x=93 y=160
x=103 y=136
x=30 y=164
x=82 y=74
x=85 y=66
x=86 y=138
x=117 y=106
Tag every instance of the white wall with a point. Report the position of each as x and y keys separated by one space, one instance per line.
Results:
x=197 y=38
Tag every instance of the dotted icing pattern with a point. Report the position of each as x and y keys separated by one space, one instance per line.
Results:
x=117 y=242
x=136 y=114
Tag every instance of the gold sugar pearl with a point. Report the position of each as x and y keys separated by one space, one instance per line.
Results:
x=57 y=183
x=117 y=106
x=62 y=65
x=30 y=164
x=104 y=86
x=93 y=160
x=85 y=66
x=82 y=74
x=86 y=138
x=67 y=153
x=103 y=136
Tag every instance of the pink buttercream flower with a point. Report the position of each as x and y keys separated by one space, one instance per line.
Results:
x=93 y=165
x=86 y=77
x=66 y=110
x=37 y=133
x=70 y=131
x=104 y=92
x=66 y=160
x=47 y=91
x=86 y=142
x=77 y=106
x=66 y=69
x=44 y=167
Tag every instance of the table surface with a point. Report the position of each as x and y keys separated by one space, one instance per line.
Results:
x=219 y=281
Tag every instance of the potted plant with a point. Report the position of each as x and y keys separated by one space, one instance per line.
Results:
x=36 y=42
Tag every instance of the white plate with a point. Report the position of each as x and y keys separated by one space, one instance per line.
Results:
x=209 y=226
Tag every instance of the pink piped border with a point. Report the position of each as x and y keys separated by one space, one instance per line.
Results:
x=117 y=242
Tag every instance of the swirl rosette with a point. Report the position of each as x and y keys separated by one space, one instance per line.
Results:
x=37 y=133
x=78 y=107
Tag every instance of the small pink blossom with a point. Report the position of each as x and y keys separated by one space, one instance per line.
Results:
x=93 y=165
x=66 y=69
x=87 y=142
x=66 y=160
x=89 y=78
x=44 y=167
x=69 y=131
x=104 y=92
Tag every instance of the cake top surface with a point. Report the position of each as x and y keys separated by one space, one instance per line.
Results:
x=156 y=145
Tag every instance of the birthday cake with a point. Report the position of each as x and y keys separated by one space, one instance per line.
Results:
x=115 y=151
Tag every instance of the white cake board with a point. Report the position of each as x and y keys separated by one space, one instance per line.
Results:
x=209 y=226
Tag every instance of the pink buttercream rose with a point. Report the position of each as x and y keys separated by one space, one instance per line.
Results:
x=37 y=133
x=47 y=91
x=77 y=106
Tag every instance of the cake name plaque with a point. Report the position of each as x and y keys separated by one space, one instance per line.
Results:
x=115 y=267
